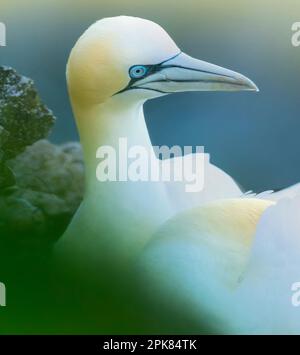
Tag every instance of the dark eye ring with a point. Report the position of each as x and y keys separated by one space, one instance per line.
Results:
x=138 y=71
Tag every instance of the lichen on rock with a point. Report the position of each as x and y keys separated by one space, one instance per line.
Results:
x=24 y=119
x=41 y=184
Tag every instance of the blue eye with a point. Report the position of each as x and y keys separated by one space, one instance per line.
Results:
x=138 y=71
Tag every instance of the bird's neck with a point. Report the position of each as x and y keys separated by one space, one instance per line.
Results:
x=104 y=125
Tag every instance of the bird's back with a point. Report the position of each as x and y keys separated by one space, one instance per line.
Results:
x=198 y=259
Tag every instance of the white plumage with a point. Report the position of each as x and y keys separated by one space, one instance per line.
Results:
x=201 y=250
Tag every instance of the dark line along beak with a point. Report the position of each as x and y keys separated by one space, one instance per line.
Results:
x=184 y=73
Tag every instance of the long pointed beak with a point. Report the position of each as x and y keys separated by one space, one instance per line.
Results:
x=184 y=73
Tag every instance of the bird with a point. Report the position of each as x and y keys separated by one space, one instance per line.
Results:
x=109 y=79
x=193 y=247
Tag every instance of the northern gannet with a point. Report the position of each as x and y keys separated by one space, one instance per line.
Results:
x=200 y=254
x=115 y=66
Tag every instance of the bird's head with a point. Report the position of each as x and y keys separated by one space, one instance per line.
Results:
x=137 y=59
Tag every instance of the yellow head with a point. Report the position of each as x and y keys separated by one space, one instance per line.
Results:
x=132 y=56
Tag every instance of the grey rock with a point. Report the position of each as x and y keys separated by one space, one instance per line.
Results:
x=24 y=119
x=41 y=184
